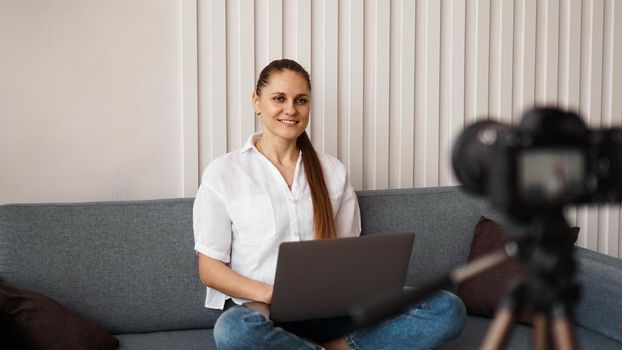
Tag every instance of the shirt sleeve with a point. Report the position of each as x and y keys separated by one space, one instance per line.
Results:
x=211 y=222
x=348 y=217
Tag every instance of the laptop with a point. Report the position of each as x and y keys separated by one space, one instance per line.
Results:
x=326 y=278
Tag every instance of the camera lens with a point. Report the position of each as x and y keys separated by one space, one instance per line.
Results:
x=471 y=154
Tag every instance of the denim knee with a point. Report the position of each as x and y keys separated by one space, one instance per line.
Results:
x=232 y=328
x=428 y=324
x=241 y=328
x=450 y=311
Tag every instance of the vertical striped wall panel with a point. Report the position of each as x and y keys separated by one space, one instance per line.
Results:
x=394 y=82
x=351 y=93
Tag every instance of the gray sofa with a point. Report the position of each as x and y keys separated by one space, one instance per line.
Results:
x=130 y=266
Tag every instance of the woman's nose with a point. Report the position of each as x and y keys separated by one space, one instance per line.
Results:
x=290 y=108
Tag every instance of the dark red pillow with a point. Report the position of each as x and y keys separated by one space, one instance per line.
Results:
x=30 y=320
x=483 y=293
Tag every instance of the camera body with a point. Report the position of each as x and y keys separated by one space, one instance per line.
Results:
x=550 y=160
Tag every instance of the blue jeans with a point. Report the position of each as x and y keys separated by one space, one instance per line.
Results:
x=429 y=323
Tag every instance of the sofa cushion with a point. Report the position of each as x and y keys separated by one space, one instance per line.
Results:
x=194 y=339
x=482 y=293
x=34 y=321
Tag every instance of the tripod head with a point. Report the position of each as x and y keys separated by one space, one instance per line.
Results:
x=547 y=251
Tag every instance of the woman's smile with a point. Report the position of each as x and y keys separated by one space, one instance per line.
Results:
x=289 y=122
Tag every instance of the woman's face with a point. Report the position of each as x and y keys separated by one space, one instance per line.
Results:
x=284 y=105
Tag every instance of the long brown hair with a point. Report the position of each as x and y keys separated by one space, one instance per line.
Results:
x=323 y=220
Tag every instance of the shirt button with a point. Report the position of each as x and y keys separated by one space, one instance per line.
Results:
x=296 y=234
x=292 y=199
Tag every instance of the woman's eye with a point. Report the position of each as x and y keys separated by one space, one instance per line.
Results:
x=279 y=98
x=301 y=101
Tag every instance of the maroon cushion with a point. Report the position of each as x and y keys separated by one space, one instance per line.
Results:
x=483 y=293
x=30 y=320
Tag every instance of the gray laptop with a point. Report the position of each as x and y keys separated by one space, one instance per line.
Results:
x=326 y=278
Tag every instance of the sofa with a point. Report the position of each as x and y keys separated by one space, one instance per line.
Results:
x=129 y=267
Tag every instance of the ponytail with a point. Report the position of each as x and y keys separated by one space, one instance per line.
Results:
x=323 y=220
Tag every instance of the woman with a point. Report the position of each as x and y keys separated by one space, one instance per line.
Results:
x=277 y=188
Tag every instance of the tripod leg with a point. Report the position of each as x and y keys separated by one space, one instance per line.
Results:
x=541 y=331
x=499 y=329
x=562 y=329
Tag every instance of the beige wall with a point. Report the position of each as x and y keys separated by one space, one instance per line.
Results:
x=90 y=100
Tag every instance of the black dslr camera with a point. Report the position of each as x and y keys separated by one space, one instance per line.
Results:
x=552 y=159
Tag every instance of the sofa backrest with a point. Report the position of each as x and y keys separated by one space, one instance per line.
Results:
x=130 y=266
x=443 y=218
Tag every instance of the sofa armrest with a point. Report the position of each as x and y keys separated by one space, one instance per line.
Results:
x=600 y=306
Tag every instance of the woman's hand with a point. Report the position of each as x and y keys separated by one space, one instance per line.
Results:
x=217 y=275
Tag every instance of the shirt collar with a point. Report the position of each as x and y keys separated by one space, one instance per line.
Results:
x=250 y=142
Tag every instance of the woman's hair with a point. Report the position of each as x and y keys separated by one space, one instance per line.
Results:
x=323 y=220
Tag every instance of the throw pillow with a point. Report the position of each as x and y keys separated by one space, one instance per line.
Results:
x=483 y=293
x=30 y=320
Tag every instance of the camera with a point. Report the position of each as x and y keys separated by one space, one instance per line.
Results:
x=550 y=160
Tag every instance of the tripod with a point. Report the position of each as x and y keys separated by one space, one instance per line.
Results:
x=549 y=291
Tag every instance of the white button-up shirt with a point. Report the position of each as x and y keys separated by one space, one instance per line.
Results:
x=244 y=210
